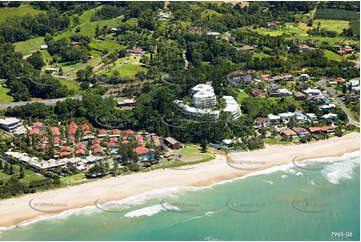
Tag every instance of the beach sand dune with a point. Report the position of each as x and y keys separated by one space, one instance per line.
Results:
x=16 y=210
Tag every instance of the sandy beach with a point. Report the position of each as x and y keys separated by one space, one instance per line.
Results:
x=17 y=210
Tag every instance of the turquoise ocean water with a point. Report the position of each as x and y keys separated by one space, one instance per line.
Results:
x=282 y=203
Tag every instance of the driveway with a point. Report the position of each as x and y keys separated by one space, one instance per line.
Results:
x=332 y=92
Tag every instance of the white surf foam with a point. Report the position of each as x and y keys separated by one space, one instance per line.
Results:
x=149 y=211
x=339 y=171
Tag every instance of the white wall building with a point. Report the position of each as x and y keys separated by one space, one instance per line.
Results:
x=10 y=124
x=232 y=108
x=203 y=96
x=199 y=114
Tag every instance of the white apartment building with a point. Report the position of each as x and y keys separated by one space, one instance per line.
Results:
x=203 y=96
x=199 y=114
x=232 y=109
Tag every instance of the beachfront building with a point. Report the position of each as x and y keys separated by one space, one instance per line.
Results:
x=173 y=143
x=260 y=122
x=286 y=117
x=198 y=114
x=144 y=154
x=232 y=108
x=203 y=96
x=301 y=132
x=274 y=119
x=329 y=116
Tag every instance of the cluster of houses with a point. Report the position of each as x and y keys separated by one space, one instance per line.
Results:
x=80 y=145
x=204 y=101
x=344 y=50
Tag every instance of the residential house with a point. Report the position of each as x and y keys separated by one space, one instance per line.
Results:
x=285 y=92
x=289 y=133
x=329 y=116
x=102 y=132
x=299 y=96
x=247 y=48
x=286 y=117
x=304 y=47
x=301 y=132
x=304 y=77
x=311 y=116
x=300 y=117
x=327 y=107
x=244 y=79
x=43 y=47
x=257 y=92
x=260 y=122
x=274 y=119
x=322 y=129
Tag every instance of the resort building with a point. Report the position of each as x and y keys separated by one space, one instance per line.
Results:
x=173 y=143
x=232 y=108
x=203 y=96
x=198 y=114
x=10 y=124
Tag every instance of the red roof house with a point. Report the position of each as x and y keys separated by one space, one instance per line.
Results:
x=129 y=132
x=34 y=131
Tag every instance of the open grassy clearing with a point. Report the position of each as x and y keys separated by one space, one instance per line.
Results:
x=102 y=45
x=125 y=70
x=332 y=25
x=280 y=30
x=29 y=175
x=191 y=154
x=332 y=55
x=71 y=84
x=4 y=98
x=17 y=12
x=29 y=46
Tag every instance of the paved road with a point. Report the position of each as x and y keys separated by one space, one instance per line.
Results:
x=46 y=101
x=332 y=92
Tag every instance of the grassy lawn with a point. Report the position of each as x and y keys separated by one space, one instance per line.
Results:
x=333 y=25
x=71 y=84
x=102 y=45
x=72 y=179
x=241 y=95
x=332 y=55
x=330 y=40
x=17 y=12
x=125 y=70
x=192 y=154
x=29 y=46
x=4 y=98
x=278 y=31
x=29 y=175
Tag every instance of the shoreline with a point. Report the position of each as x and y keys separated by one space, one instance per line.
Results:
x=15 y=211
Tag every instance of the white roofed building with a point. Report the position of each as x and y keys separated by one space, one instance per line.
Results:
x=203 y=96
x=232 y=108
x=10 y=124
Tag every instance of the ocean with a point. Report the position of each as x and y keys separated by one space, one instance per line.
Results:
x=320 y=201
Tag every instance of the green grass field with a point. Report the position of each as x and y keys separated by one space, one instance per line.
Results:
x=280 y=30
x=4 y=98
x=102 y=45
x=71 y=84
x=29 y=175
x=332 y=25
x=17 y=12
x=193 y=153
x=332 y=55
x=125 y=70
x=29 y=46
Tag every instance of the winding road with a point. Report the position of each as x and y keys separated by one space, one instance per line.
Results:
x=331 y=91
x=46 y=101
